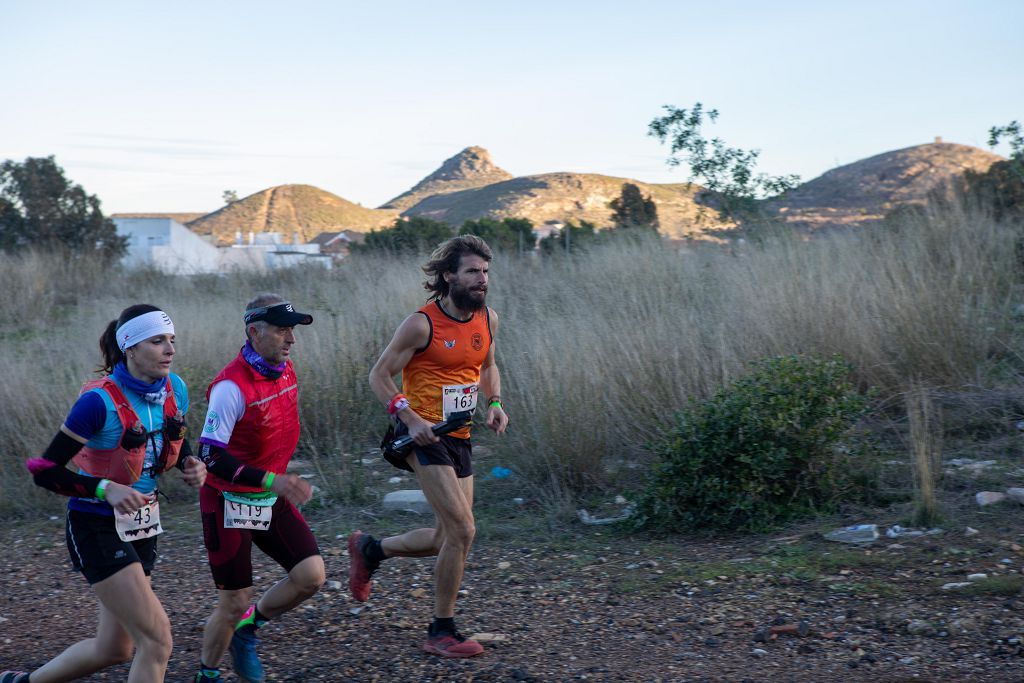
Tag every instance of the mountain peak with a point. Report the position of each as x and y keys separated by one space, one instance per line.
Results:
x=471 y=163
x=470 y=168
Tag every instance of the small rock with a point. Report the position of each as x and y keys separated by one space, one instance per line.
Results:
x=959 y=627
x=712 y=642
x=504 y=565
x=1016 y=494
x=954 y=585
x=984 y=498
x=490 y=637
x=418 y=592
x=395 y=480
x=969 y=531
x=758 y=652
x=977 y=577
x=908 y=660
x=333 y=585
x=920 y=627
x=409 y=500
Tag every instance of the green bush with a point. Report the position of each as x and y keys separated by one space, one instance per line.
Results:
x=760 y=452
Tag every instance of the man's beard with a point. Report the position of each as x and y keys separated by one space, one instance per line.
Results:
x=468 y=300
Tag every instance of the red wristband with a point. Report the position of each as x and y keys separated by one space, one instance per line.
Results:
x=397 y=404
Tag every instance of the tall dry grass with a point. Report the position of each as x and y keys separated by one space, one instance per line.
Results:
x=596 y=351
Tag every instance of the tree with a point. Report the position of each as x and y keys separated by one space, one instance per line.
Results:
x=570 y=238
x=632 y=210
x=413 y=234
x=1001 y=187
x=39 y=206
x=508 y=234
x=727 y=173
x=229 y=196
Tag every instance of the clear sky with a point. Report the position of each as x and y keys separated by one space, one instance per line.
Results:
x=163 y=106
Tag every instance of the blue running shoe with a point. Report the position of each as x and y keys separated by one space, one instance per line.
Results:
x=243 y=656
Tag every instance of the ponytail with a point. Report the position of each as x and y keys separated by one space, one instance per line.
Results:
x=109 y=350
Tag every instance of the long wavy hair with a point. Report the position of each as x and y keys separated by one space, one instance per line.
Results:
x=446 y=258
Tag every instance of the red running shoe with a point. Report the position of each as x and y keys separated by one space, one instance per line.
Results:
x=359 y=570
x=452 y=645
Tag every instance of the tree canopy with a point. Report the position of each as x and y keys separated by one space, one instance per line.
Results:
x=1001 y=187
x=728 y=174
x=414 y=234
x=632 y=210
x=508 y=234
x=39 y=206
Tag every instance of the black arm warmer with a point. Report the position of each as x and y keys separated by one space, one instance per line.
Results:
x=228 y=467
x=185 y=452
x=51 y=472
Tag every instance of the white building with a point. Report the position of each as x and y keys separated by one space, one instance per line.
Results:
x=167 y=245
x=172 y=248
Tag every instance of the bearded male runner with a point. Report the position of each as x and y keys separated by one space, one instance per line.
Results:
x=445 y=353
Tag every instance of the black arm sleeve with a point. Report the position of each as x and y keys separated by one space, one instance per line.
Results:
x=228 y=467
x=185 y=452
x=51 y=472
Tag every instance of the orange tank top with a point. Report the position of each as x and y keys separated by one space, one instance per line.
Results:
x=443 y=377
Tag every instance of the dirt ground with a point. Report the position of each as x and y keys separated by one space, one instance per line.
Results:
x=586 y=603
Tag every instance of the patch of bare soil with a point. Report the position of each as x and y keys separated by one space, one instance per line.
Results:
x=586 y=603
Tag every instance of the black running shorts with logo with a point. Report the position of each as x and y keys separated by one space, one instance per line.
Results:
x=288 y=541
x=98 y=552
x=450 y=451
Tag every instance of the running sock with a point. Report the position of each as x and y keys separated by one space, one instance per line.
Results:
x=442 y=625
x=252 y=619
x=208 y=672
x=373 y=552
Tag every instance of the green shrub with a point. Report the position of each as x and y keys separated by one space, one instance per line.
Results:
x=760 y=452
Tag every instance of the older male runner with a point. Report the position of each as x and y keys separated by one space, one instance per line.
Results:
x=251 y=430
x=445 y=352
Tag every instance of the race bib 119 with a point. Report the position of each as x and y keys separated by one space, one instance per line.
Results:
x=252 y=514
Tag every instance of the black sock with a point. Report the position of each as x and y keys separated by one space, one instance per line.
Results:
x=442 y=625
x=373 y=552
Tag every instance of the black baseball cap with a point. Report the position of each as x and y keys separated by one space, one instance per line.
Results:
x=282 y=315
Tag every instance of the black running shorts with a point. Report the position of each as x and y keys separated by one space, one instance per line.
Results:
x=288 y=541
x=98 y=552
x=451 y=451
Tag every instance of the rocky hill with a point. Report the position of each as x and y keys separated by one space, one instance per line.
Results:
x=287 y=209
x=865 y=190
x=566 y=196
x=469 y=186
x=470 y=168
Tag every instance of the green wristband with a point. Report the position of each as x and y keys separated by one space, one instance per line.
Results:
x=268 y=481
x=494 y=404
x=101 y=489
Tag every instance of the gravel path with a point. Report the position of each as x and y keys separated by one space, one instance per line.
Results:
x=588 y=604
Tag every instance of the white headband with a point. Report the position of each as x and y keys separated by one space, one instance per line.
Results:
x=144 y=327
